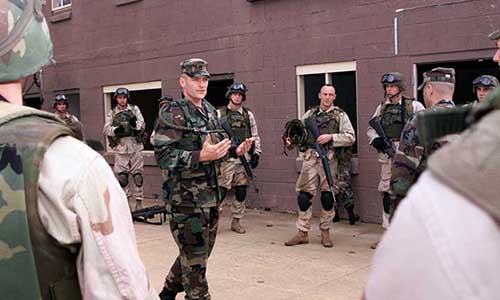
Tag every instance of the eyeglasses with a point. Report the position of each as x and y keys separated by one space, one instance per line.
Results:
x=388 y=78
x=483 y=80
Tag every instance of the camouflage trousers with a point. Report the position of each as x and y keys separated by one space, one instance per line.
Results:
x=345 y=194
x=194 y=230
x=130 y=163
x=232 y=173
x=311 y=176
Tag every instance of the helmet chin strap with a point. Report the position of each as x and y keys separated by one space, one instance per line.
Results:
x=392 y=96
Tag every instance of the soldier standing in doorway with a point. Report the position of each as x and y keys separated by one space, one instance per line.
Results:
x=124 y=128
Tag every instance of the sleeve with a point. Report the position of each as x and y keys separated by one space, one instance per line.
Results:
x=85 y=205
x=166 y=141
x=346 y=136
x=406 y=161
x=108 y=129
x=255 y=133
x=140 y=124
x=370 y=132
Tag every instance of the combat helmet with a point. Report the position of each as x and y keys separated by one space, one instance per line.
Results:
x=394 y=78
x=484 y=80
x=121 y=91
x=239 y=88
x=25 y=45
x=60 y=98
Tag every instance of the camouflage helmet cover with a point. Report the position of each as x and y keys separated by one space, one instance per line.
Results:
x=25 y=45
x=394 y=78
x=239 y=88
x=484 y=80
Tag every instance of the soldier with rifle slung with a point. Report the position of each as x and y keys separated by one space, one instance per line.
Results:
x=335 y=130
x=125 y=129
x=385 y=129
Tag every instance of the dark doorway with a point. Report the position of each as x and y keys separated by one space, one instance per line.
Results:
x=465 y=72
x=33 y=102
x=147 y=101
x=345 y=87
x=217 y=88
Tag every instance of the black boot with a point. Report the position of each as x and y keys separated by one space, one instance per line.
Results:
x=353 y=218
x=337 y=217
x=166 y=294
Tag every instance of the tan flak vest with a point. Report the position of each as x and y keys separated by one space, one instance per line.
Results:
x=471 y=164
x=32 y=264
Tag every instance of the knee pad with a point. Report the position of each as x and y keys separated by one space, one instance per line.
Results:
x=387 y=202
x=223 y=192
x=123 y=179
x=138 y=180
x=240 y=193
x=304 y=200
x=327 y=200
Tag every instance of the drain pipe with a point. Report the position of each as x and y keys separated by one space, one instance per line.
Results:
x=396 y=46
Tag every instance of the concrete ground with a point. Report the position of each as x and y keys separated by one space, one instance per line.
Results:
x=257 y=265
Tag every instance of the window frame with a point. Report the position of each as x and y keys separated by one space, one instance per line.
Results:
x=61 y=7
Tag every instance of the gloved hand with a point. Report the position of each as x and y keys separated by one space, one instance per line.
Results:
x=133 y=122
x=254 y=161
x=378 y=144
x=119 y=130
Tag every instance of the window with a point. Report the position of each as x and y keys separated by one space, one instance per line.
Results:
x=58 y=4
x=144 y=95
x=311 y=78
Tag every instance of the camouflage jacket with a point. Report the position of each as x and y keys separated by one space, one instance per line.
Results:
x=128 y=144
x=180 y=132
x=410 y=161
x=85 y=212
x=73 y=123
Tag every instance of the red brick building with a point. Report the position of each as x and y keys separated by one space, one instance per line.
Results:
x=284 y=50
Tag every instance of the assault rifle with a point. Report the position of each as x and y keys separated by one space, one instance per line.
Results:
x=322 y=153
x=225 y=125
x=389 y=147
x=142 y=215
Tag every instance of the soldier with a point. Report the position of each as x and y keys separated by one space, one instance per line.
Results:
x=394 y=111
x=242 y=121
x=449 y=221
x=335 y=131
x=60 y=107
x=345 y=194
x=189 y=145
x=438 y=86
x=483 y=85
x=65 y=232
x=124 y=128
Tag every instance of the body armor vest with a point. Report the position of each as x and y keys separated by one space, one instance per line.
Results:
x=193 y=141
x=33 y=265
x=240 y=123
x=394 y=116
x=328 y=123
x=122 y=119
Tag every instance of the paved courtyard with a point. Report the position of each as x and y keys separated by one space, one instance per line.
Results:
x=256 y=265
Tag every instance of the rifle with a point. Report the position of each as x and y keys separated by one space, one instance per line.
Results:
x=322 y=153
x=142 y=215
x=225 y=125
x=389 y=148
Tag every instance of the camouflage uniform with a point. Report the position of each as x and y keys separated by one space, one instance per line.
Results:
x=344 y=167
x=312 y=173
x=73 y=123
x=411 y=157
x=391 y=115
x=128 y=151
x=190 y=189
x=58 y=223
x=233 y=173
